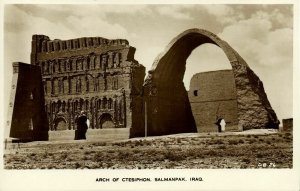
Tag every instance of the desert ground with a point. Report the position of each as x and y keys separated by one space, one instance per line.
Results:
x=248 y=149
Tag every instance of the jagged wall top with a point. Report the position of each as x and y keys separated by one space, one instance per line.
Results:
x=44 y=44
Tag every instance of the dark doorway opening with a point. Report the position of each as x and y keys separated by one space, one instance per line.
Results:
x=81 y=128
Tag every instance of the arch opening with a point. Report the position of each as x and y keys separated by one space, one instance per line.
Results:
x=205 y=58
x=106 y=121
x=208 y=70
x=60 y=124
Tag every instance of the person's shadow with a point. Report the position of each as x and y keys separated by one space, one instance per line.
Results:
x=218 y=123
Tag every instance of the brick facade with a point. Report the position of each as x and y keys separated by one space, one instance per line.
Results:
x=94 y=76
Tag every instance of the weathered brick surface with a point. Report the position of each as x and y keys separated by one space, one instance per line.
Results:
x=212 y=96
x=287 y=124
x=214 y=85
x=95 y=75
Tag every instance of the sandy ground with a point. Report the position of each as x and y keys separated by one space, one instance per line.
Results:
x=111 y=139
x=260 y=148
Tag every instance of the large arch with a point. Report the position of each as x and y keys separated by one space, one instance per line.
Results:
x=166 y=105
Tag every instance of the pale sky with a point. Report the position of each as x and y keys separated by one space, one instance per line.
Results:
x=261 y=34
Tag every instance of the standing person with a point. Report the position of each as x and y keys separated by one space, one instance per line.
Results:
x=82 y=127
x=88 y=123
x=222 y=124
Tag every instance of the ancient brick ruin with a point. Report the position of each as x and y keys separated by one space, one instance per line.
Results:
x=95 y=77
x=99 y=79
x=212 y=96
x=167 y=109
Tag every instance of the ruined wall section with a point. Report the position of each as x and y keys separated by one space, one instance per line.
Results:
x=137 y=102
x=258 y=88
x=212 y=96
x=27 y=119
x=287 y=125
x=90 y=74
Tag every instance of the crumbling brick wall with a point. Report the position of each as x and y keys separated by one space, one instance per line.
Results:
x=90 y=75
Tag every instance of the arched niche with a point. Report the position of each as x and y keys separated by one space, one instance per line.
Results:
x=106 y=121
x=60 y=123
